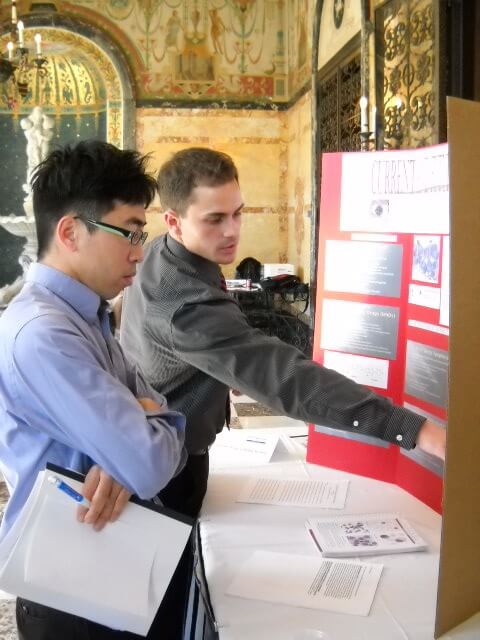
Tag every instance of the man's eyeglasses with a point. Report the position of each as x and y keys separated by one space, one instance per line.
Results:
x=135 y=237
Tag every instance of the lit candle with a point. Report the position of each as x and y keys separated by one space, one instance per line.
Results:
x=14 y=12
x=38 y=43
x=10 y=50
x=363 y=114
x=20 y=33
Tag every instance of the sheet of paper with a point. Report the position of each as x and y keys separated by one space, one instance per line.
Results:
x=75 y=558
x=241 y=448
x=364 y=534
x=426 y=258
x=407 y=193
x=370 y=371
x=47 y=546
x=445 y=295
x=424 y=296
x=295 y=493
x=428 y=326
x=342 y=586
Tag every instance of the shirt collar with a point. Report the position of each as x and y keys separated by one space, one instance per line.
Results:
x=208 y=269
x=85 y=301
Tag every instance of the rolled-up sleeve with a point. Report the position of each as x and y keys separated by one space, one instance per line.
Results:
x=216 y=338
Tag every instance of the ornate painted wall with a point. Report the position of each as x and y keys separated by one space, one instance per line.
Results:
x=341 y=21
x=255 y=53
x=299 y=183
x=185 y=51
x=257 y=140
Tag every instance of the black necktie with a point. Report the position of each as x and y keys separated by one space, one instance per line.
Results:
x=223 y=284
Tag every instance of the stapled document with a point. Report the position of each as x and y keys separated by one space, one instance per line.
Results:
x=364 y=534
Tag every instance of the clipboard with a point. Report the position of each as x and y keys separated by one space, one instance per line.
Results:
x=116 y=577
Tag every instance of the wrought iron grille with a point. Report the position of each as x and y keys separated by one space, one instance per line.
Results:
x=405 y=73
x=338 y=110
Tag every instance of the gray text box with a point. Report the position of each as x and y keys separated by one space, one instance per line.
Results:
x=426 y=375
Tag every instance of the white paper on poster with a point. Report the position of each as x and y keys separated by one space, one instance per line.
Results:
x=426 y=258
x=402 y=193
x=445 y=287
x=428 y=326
x=344 y=586
x=370 y=371
x=373 y=237
x=424 y=296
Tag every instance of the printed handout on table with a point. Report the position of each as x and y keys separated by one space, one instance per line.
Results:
x=295 y=493
x=363 y=534
x=343 y=586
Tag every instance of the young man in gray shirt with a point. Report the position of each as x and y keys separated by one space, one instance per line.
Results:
x=194 y=343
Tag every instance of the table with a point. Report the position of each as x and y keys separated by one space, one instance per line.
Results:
x=404 y=605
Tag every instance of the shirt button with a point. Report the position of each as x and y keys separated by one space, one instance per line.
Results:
x=399 y=438
x=355 y=423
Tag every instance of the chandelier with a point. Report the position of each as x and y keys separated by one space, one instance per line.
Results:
x=18 y=60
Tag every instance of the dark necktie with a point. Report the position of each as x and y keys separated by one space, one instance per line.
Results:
x=223 y=284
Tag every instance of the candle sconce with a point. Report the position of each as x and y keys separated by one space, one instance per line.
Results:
x=19 y=60
x=367 y=134
x=368 y=140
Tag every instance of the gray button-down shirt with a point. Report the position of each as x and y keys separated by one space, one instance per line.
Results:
x=193 y=343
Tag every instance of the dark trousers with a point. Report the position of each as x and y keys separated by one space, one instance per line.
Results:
x=185 y=494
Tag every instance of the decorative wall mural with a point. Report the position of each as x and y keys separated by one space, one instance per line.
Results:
x=236 y=50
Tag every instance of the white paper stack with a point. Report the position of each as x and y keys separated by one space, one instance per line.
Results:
x=116 y=577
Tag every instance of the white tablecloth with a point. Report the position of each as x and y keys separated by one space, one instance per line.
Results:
x=404 y=605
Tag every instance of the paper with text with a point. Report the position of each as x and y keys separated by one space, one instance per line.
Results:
x=364 y=534
x=239 y=448
x=295 y=493
x=343 y=586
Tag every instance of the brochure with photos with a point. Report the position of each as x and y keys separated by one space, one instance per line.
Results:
x=363 y=534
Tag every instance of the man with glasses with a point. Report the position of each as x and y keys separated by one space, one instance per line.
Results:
x=67 y=393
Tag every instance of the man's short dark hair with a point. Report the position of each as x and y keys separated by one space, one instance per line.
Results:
x=88 y=178
x=190 y=168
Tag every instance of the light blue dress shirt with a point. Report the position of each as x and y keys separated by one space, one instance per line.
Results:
x=68 y=395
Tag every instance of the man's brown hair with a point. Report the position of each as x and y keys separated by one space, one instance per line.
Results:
x=190 y=168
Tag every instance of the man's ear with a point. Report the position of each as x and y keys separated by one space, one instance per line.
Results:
x=172 y=220
x=67 y=233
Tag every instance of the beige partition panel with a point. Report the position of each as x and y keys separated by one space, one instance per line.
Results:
x=459 y=576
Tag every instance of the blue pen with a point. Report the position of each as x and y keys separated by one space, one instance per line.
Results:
x=70 y=491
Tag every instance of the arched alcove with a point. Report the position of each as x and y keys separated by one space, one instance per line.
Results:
x=87 y=90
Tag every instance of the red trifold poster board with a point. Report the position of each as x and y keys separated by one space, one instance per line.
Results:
x=382 y=311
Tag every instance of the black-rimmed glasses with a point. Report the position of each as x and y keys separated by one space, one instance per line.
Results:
x=135 y=237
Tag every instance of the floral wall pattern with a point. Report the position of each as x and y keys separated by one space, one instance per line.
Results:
x=186 y=51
